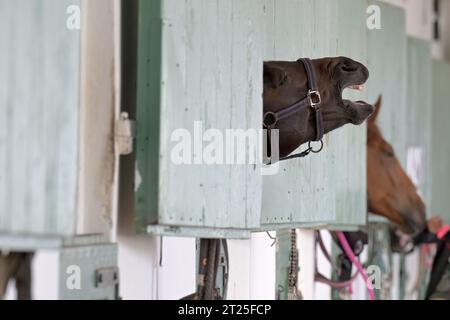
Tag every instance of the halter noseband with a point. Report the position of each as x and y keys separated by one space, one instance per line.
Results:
x=312 y=100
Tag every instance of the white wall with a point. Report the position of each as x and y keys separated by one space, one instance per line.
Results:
x=252 y=268
x=262 y=269
x=143 y=278
x=99 y=101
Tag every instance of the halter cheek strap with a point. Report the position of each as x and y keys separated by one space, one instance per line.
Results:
x=312 y=100
x=315 y=100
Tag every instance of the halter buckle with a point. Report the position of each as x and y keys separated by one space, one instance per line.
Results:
x=315 y=98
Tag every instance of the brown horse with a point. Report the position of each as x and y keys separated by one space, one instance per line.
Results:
x=391 y=193
x=285 y=83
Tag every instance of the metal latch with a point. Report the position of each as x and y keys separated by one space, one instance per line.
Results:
x=106 y=277
x=125 y=133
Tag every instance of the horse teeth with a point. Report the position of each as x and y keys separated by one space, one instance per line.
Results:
x=359 y=87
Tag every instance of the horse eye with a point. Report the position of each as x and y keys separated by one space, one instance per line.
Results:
x=390 y=153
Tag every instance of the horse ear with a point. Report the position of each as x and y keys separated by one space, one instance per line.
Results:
x=274 y=76
x=373 y=118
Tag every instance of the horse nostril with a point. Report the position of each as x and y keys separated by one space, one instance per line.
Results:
x=349 y=68
x=416 y=222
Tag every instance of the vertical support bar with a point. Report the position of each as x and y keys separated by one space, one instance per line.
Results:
x=98 y=101
x=221 y=277
x=282 y=264
x=424 y=274
x=222 y=271
x=403 y=275
x=380 y=255
x=335 y=253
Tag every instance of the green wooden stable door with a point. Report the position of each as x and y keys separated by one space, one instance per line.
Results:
x=200 y=62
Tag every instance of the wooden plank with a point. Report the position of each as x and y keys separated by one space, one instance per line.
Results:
x=349 y=143
x=148 y=99
x=67 y=75
x=250 y=185
x=302 y=190
x=6 y=8
x=40 y=141
x=19 y=121
x=36 y=165
x=420 y=107
x=198 y=84
x=390 y=79
x=440 y=142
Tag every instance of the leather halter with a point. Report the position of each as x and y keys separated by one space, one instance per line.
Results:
x=312 y=100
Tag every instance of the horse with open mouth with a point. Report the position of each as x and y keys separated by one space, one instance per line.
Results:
x=287 y=83
x=311 y=91
x=303 y=101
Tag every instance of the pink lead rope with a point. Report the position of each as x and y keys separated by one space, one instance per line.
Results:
x=355 y=261
x=443 y=232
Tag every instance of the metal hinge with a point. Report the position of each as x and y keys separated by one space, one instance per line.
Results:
x=124 y=133
x=106 y=277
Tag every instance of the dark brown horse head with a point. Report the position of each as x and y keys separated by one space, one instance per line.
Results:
x=285 y=83
x=391 y=193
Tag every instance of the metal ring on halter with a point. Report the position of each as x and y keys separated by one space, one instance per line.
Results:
x=312 y=149
x=272 y=118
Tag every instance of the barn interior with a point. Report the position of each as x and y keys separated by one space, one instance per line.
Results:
x=116 y=180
